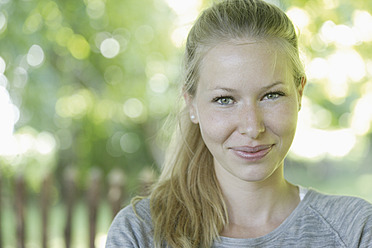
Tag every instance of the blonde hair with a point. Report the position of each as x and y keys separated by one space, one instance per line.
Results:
x=187 y=206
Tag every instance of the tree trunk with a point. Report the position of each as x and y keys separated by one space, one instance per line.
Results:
x=45 y=208
x=20 y=201
x=70 y=188
x=93 y=202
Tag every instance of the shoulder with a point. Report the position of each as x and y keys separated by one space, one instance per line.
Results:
x=336 y=205
x=132 y=227
x=350 y=217
x=134 y=215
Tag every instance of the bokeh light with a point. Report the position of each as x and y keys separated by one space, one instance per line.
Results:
x=130 y=142
x=110 y=48
x=3 y=22
x=133 y=108
x=35 y=56
x=9 y=116
x=76 y=105
x=159 y=83
x=362 y=115
x=78 y=46
x=3 y=80
x=2 y=65
x=33 y=23
x=95 y=8
x=45 y=143
x=20 y=77
x=186 y=11
x=362 y=21
x=299 y=17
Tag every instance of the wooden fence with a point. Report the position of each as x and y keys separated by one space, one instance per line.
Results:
x=115 y=195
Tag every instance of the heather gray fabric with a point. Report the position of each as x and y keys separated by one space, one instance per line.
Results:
x=318 y=221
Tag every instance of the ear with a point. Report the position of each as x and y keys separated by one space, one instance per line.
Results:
x=190 y=104
x=301 y=89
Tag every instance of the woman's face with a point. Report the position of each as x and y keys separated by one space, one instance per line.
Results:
x=246 y=105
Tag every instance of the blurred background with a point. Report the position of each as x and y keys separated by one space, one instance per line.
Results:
x=86 y=85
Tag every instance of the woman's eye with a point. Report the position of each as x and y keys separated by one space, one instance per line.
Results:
x=224 y=100
x=273 y=95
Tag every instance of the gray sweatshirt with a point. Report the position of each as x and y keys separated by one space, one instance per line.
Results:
x=318 y=221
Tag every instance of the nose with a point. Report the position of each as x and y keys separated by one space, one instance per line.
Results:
x=251 y=121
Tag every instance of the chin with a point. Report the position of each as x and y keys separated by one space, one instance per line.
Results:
x=257 y=173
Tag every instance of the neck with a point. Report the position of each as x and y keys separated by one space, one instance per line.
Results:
x=265 y=203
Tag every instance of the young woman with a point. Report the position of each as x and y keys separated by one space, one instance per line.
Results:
x=223 y=184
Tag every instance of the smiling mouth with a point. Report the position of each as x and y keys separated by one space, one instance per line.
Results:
x=252 y=153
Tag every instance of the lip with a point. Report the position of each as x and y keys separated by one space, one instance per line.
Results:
x=252 y=153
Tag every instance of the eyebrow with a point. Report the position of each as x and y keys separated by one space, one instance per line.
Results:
x=272 y=85
x=234 y=90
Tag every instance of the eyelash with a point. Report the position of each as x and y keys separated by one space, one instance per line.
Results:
x=277 y=94
x=218 y=99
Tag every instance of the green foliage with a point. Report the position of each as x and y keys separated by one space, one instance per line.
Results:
x=100 y=109
x=100 y=76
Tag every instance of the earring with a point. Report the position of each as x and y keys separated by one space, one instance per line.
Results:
x=192 y=117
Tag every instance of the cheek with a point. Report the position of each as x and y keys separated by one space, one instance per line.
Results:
x=214 y=125
x=282 y=120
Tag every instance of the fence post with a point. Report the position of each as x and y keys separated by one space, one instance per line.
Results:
x=69 y=186
x=116 y=194
x=45 y=208
x=93 y=202
x=20 y=214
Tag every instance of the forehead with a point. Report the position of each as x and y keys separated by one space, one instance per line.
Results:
x=244 y=62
